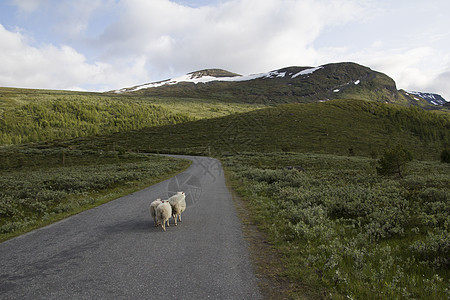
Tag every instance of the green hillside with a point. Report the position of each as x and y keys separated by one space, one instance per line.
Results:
x=344 y=127
x=42 y=115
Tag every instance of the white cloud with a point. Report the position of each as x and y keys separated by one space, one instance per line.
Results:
x=106 y=44
x=399 y=63
x=241 y=35
x=418 y=69
x=28 y=6
x=74 y=16
x=440 y=84
x=54 y=67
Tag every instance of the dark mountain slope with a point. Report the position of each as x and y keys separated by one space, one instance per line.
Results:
x=290 y=85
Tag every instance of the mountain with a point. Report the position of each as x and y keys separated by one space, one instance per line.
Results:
x=286 y=85
x=202 y=76
x=345 y=80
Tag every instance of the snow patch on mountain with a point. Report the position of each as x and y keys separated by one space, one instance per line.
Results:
x=306 y=72
x=196 y=78
x=275 y=74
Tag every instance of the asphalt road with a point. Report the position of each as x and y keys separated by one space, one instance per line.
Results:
x=114 y=251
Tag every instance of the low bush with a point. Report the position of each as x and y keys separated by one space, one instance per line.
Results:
x=42 y=187
x=341 y=225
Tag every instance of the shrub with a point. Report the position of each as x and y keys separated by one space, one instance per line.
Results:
x=435 y=250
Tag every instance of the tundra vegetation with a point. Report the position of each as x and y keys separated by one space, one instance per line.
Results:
x=346 y=232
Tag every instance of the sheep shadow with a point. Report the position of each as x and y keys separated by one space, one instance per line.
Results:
x=138 y=226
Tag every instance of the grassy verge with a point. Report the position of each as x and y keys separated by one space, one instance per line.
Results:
x=267 y=259
x=39 y=187
x=341 y=231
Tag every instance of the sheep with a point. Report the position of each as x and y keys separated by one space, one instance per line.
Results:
x=178 y=203
x=153 y=207
x=163 y=213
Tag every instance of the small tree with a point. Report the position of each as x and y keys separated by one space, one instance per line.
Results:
x=393 y=161
x=445 y=156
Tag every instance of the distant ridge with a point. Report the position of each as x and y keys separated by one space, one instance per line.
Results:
x=432 y=98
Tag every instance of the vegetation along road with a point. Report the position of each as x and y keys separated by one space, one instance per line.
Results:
x=115 y=252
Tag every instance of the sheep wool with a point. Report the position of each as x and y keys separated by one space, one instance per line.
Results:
x=153 y=207
x=178 y=203
x=163 y=213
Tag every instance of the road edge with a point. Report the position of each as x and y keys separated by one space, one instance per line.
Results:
x=265 y=258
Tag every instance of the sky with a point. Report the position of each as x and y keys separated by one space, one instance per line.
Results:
x=101 y=45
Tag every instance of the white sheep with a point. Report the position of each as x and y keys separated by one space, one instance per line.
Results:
x=178 y=203
x=163 y=213
x=153 y=207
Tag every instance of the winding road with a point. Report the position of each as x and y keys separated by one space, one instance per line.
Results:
x=114 y=251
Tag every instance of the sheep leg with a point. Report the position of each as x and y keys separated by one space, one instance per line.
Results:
x=179 y=217
x=175 y=219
